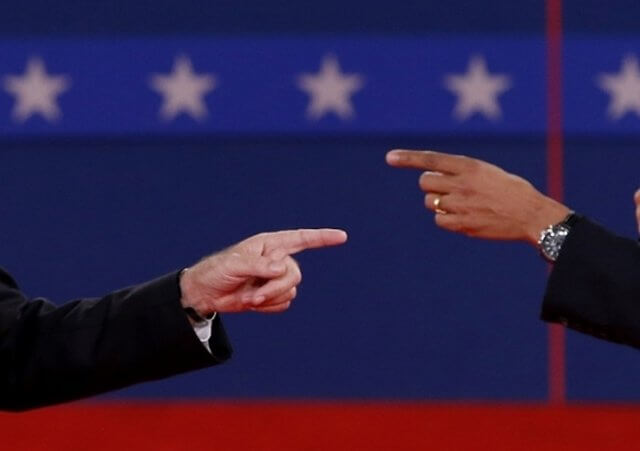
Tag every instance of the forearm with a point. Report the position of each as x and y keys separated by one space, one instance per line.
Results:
x=91 y=346
x=594 y=286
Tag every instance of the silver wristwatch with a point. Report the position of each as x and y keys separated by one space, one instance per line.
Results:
x=552 y=238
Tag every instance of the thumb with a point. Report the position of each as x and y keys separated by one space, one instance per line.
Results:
x=278 y=254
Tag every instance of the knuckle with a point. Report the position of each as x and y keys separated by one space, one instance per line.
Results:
x=470 y=164
x=234 y=255
x=465 y=190
x=523 y=182
x=306 y=238
x=226 y=264
x=463 y=185
x=428 y=158
x=247 y=242
x=247 y=303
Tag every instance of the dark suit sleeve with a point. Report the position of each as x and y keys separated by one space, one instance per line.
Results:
x=52 y=354
x=594 y=286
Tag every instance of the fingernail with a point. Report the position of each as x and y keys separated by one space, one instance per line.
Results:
x=258 y=299
x=276 y=266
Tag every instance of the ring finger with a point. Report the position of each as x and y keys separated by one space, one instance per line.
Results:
x=437 y=203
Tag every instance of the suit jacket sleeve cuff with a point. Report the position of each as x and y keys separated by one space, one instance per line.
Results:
x=594 y=286
x=174 y=332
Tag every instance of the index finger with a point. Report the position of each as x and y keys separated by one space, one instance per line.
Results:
x=293 y=241
x=427 y=160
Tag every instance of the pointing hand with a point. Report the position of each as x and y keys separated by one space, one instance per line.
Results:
x=256 y=274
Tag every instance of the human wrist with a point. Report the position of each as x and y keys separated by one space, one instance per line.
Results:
x=188 y=300
x=548 y=212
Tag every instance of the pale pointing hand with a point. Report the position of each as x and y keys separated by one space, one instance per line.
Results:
x=256 y=274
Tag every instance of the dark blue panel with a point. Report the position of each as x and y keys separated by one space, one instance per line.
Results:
x=602 y=176
x=403 y=311
x=271 y=16
x=596 y=16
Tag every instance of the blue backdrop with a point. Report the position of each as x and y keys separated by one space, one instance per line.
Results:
x=110 y=195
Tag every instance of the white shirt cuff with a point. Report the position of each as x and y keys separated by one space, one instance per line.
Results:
x=203 y=331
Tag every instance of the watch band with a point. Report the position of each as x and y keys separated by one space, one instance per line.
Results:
x=570 y=219
x=552 y=238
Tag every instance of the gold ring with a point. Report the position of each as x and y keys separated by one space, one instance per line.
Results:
x=436 y=204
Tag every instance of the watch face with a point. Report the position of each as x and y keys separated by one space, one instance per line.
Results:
x=552 y=241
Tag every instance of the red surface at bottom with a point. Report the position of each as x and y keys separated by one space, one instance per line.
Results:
x=321 y=426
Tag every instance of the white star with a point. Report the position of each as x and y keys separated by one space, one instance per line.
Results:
x=624 y=88
x=183 y=90
x=477 y=90
x=330 y=90
x=36 y=92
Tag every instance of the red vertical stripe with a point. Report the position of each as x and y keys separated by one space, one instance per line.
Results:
x=555 y=182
